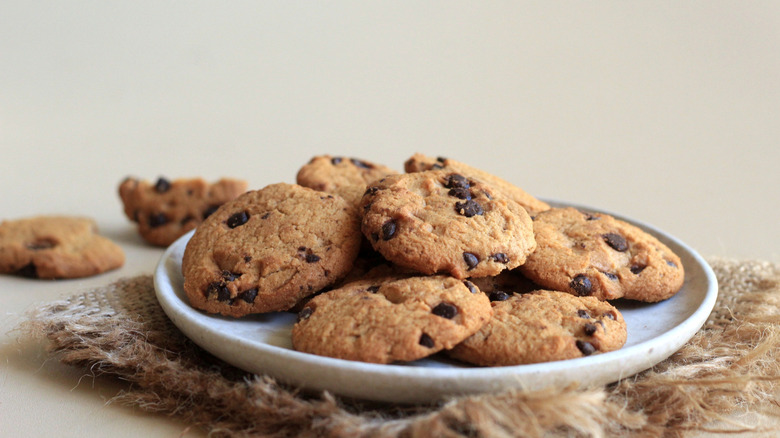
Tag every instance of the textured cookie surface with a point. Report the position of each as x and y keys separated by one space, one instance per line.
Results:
x=597 y=255
x=390 y=319
x=543 y=326
x=445 y=222
x=346 y=177
x=267 y=249
x=420 y=162
x=56 y=247
x=166 y=210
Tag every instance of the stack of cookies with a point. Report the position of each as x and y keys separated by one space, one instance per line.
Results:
x=388 y=267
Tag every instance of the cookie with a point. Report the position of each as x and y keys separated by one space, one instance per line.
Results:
x=501 y=286
x=390 y=319
x=56 y=247
x=346 y=177
x=594 y=254
x=166 y=210
x=267 y=249
x=420 y=162
x=444 y=222
x=543 y=326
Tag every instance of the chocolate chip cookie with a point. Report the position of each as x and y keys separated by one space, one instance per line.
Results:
x=166 y=210
x=420 y=162
x=441 y=221
x=56 y=247
x=390 y=319
x=543 y=326
x=267 y=249
x=594 y=254
x=346 y=177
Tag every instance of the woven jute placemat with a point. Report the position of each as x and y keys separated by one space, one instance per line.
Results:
x=731 y=365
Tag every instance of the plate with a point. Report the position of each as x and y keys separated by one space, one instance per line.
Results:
x=261 y=343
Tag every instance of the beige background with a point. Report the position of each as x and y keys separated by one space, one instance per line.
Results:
x=670 y=115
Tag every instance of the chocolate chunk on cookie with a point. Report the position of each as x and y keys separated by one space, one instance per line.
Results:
x=166 y=210
x=390 y=319
x=420 y=162
x=346 y=177
x=267 y=249
x=543 y=326
x=441 y=221
x=56 y=247
x=593 y=254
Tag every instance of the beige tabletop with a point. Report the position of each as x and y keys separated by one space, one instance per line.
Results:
x=666 y=115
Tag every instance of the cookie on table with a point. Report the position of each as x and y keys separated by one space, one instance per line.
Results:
x=420 y=162
x=390 y=319
x=346 y=177
x=441 y=221
x=267 y=249
x=166 y=210
x=56 y=247
x=543 y=326
x=593 y=254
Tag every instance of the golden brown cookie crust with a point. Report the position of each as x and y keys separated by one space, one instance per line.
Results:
x=420 y=162
x=343 y=176
x=443 y=222
x=166 y=210
x=390 y=319
x=56 y=247
x=594 y=254
x=543 y=326
x=268 y=249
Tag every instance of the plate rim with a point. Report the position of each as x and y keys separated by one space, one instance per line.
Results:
x=670 y=339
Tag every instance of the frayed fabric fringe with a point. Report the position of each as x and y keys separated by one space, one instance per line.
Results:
x=731 y=365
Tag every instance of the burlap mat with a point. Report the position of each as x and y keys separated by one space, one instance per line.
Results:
x=730 y=365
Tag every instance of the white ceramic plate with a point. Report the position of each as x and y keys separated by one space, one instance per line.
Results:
x=261 y=343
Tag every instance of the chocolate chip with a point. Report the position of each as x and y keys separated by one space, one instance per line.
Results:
x=305 y=314
x=583 y=314
x=186 y=219
x=238 y=219
x=41 y=244
x=469 y=208
x=590 y=217
x=229 y=276
x=441 y=159
x=590 y=329
x=249 y=295
x=265 y=216
x=247 y=259
x=609 y=315
x=455 y=181
x=471 y=260
x=374 y=236
x=581 y=284
x=373 y=289
x=671 y=263
x=636 y=269
x=209 y=211
x=336 y=160
x=610 y=275
x=586 y=348
x=427 y=341
x=361 y=164
x=460 y=193
x=157 y=219
x=471 y=286
x=500 y=257
x=616 y=241
x=388 y=230
x=218 y=289
x=162 y=185
x=29 y=271
x=437 y=166
x=371 y=191
x=498 y=295
x=312 y=258
x=445 y=310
